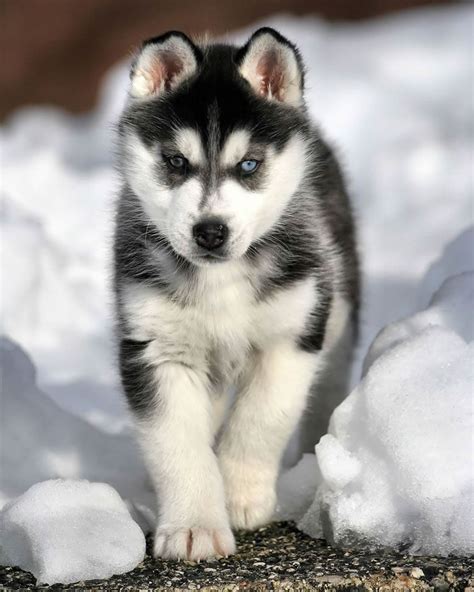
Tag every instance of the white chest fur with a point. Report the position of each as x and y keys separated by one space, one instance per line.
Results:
x=220 y=316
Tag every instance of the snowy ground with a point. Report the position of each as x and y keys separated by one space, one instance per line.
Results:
x=395 y=96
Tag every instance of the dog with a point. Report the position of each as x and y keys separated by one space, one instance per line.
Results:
x=236 y=271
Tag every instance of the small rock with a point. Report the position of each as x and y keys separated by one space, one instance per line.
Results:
x=440 y=585
x=331 y=579
x=417 y=573
x=450 y=577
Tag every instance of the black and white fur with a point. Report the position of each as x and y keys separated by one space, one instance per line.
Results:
x=270 y=314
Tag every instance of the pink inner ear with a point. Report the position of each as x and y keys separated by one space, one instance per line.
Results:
x=166 y=67
x=271 y=75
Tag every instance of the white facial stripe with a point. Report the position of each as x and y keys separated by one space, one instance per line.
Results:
x=183 y=213
x=189 y=144
x=140 y=163
x=140 y=167
x=235 y=148
x=286 y=170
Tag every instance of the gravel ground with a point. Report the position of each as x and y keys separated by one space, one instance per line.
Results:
x=279 y=557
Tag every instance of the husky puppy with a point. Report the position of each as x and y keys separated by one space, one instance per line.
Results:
x=235 y=269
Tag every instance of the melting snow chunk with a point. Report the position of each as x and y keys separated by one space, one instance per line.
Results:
x=66 y=531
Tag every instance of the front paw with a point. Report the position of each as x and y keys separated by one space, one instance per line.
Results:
x=193 y=543
x=250 y=495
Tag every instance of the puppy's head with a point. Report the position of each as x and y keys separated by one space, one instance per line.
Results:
x=213 y=140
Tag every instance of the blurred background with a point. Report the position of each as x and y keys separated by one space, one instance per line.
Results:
x=56 y=51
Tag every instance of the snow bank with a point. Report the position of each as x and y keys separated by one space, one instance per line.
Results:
x=66 y=531
x=41 y=441
x=397 y=465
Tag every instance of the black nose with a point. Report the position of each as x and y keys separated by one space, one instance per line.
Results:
x=210 y=234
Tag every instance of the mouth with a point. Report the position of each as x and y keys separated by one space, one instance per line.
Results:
x=209 y=258
x=214 y=257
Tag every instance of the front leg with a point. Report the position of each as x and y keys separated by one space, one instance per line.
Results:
x=265 y=413
x=174 y=420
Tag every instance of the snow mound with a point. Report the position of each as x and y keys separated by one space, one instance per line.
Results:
x=66 y=531
x=449 y=308
x=41 y=441
x=397 y=465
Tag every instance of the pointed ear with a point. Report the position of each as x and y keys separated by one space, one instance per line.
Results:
x=273 y=67
x=162 y=64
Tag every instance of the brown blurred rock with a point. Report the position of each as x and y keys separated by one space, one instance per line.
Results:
x=56 y=51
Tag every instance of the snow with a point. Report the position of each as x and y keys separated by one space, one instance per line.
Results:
x=393 y=94
x=41 y=441
x=450 y=307
x=296 y=487
x=397 y=464
x=457 y=257
x=65 y=531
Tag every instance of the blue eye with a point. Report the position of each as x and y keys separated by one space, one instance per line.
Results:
x=177 y=161
x=249 y=166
